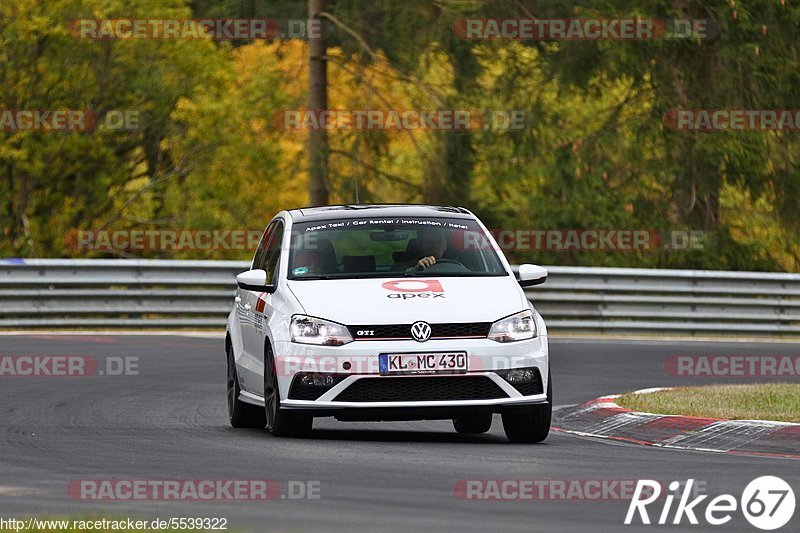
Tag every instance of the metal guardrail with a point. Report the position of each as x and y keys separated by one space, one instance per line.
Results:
x=114 y=293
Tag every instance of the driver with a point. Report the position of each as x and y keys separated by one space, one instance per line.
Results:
x=431 y=244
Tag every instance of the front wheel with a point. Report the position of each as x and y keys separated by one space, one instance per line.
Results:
x=280 y=423
x=240 y=414
x=530 y=424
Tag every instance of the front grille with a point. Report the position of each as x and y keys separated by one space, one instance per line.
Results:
x=420 y=389
x=452 y=330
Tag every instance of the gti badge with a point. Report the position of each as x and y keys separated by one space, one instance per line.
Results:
x=420 y=331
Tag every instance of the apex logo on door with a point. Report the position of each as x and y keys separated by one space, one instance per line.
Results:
x=405 y=289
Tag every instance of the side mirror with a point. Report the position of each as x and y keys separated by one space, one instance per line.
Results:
x=254 y=280
x=530 y=275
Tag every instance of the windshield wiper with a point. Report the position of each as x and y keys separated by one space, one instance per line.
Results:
x=422 y=273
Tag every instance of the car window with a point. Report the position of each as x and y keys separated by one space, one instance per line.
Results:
x=272 y=254
x=258 y=258
x=355 y=248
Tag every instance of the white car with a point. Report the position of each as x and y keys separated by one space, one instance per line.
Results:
x=386 y=312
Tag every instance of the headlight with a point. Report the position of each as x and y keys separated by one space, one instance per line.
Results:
x=310 y=330
x=517 y=327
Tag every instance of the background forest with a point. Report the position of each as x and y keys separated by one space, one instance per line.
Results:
x=594 y=153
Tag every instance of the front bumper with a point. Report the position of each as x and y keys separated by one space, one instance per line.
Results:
x=416 y=412
x=485 y=358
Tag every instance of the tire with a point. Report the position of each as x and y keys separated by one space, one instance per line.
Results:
x=280 y=423
x=241 y=414
x=531 y=424
x=473 y=425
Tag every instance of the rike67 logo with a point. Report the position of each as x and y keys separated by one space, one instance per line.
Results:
x=767 y=502
x=408 y=289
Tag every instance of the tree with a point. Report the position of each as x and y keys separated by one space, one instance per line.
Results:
x=54 y=182
x=317 y=102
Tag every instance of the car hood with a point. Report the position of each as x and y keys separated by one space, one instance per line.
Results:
x=406 y=300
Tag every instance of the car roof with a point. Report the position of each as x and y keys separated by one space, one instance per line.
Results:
x=338 y=212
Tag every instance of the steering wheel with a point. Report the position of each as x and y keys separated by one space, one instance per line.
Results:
x=440 y=262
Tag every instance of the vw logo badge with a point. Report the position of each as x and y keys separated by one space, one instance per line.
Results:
x=420 y=331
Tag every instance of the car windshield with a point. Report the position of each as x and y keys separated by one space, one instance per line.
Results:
x=363 y=248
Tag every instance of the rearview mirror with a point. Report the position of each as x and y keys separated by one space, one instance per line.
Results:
x=254 y=280
x=530 y=275
x=388 y=236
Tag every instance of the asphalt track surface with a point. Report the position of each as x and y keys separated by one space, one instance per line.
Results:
x=170 y=422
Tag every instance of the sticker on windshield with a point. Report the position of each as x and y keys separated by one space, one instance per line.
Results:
x=406 y=223
x=300 y=271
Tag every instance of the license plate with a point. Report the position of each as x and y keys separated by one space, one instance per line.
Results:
x=423 y=363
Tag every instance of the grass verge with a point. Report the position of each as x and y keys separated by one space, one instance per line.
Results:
x=758 y=401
